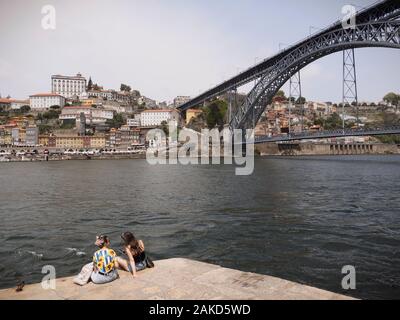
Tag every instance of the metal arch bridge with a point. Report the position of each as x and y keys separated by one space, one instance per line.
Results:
x=339 y=133
x=376 y=26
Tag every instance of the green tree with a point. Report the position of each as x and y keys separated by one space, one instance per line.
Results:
x=387 y=119
x=215 y=114
x=51 y=114
x=68 y=125
x=392 y=139
x=281 y=94
x=25 y=109
x=90 y=84
x=301 y=100
x=44 y=129
x=392 y=98
x=331 y=123
x=125 y=88
x=116 y=122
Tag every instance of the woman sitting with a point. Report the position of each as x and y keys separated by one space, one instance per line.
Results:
x=137 y=258
x=104 y=262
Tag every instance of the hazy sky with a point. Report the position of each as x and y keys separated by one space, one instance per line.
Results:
x=167 y=48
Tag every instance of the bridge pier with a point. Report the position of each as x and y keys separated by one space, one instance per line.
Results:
x=359 y=149
x=306 y=149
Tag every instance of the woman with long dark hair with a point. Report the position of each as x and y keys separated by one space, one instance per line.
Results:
x=135 y=251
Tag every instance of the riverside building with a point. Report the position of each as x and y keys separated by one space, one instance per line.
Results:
x=151 y=118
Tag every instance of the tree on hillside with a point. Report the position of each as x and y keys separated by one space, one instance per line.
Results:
x=215 y=114
x=116 y=122
x=301 y=100
x=25 y=109
x=51 y=114
x=331 y=123
x=125 y=88
x=388 y=119
x=44 y=129
x=90 y=84
x=392 y=98
x=281 y=94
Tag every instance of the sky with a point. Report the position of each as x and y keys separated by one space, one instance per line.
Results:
x=166 y=48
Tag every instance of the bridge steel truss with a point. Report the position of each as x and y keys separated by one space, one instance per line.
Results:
x=377 y=26
x=381 y=34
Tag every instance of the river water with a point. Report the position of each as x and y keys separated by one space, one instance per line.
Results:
x=301 y=219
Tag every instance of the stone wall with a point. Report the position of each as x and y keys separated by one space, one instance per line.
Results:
x=303 y=149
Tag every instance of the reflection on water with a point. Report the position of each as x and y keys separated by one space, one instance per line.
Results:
x=301 y=219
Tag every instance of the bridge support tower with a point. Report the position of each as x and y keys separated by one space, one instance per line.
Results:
x=350 y=92
x=295 y=96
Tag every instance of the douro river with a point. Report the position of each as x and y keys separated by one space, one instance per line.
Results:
x=302 y=219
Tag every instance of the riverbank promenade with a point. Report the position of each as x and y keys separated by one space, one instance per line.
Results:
x=178 y=279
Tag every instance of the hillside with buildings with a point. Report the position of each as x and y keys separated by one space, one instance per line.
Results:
x=79 y=114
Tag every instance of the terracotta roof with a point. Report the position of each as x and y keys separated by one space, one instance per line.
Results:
x=20 y=101
x=59 y=76
x=46 y=95
x=13 y=100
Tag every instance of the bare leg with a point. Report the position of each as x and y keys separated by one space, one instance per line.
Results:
x=121 y=263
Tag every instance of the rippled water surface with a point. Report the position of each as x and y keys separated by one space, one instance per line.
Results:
x=301 y=219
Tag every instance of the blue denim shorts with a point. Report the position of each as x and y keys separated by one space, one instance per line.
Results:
x=98 y=278
x=139 y=266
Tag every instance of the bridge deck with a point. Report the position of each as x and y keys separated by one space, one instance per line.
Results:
x=393 y=130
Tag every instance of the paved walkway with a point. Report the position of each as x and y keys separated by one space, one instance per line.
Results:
x=176 y=279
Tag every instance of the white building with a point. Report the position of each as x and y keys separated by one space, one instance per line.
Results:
x=44 y=101
x=92 y=115
x=15 y=136
x=118 y=108
x=101 y=94
x=180 y=100
x=151 y=118
x=32 y=136
x=68 y=86
x=111 y=95
x=13 y=104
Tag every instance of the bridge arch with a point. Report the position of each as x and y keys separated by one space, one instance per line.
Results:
x=381 y=34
